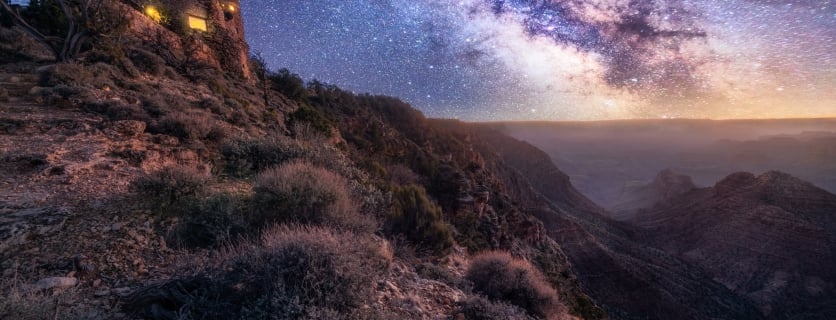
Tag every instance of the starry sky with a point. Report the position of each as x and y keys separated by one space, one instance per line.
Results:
x=491 y=60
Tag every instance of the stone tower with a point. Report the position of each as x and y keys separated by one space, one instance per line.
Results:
x=217 y=25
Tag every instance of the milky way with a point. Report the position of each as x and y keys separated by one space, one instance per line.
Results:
x=563 y=60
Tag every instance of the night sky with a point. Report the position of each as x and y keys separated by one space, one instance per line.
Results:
x=563 y=60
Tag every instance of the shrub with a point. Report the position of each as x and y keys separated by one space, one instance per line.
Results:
x=245 y=156
x=172 y=184
x=191 y=125
x=480 y=308
x=293 y=273
x=311 y=116
x=147 y=61
x=302 y=193
x=501 y=277
x=208 y=222
x=419 y=219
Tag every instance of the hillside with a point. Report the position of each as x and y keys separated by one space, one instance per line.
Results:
x=142 y=182
x=666 y=185
x=769 y=238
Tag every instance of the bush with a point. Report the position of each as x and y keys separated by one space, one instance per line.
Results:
x=147 y=61
x=313 y=117
x=294 y=273
x=500 y=277
x=302 y=193
x=419 y=219
x=208 y=222
x=480 y=308
x=191 y=125
x=171 y=184
x=246 y=156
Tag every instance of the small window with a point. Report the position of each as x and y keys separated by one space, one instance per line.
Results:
x=197 y=23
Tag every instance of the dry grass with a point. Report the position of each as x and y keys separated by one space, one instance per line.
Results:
x=501 y=277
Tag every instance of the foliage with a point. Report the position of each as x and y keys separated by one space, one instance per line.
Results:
x=171 y=184
x=208 y=222
x=419 y=219
x=315 y=118
x=293 y=273
x=499 y=276
x=299 y=192
x=288 y=84
x=67 y=27
x=190 y=126
x=246 y=156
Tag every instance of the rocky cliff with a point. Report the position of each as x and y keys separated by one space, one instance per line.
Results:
x=769 y=238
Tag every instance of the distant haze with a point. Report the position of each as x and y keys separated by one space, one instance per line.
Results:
x=603 y=157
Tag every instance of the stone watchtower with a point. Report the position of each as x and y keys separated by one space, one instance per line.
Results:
x=218 y=24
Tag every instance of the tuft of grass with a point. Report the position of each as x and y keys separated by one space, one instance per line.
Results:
x=501 y=277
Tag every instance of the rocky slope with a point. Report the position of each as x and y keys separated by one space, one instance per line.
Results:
x=666 y=185
x=631 y=280
x=769 y=238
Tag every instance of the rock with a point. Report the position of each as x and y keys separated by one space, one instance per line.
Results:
x=130 y=128
x=55 y=283
x=17 y=227
x=122 y=292
x=14 y=79
x=116 y=226
x=36 y=91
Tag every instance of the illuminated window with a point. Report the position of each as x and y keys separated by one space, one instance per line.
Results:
x=154 y=14
x=197 y=23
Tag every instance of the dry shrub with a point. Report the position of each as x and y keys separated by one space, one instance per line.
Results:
x=172 y=184
x=207 y=222
x=191 y=126
x=501 y=277
x=246 y=156
x=480 y=308
x=415 y=216
x=293 y=273
x=299 y=192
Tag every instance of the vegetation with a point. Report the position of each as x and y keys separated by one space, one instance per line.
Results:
x=414 y=215
x=66 y=26
x=480 y=308
x=292 y=273
x=501 y=277
x=299 y=192
x=172 y=184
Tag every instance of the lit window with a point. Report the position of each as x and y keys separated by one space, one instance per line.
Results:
x=154 y=14
x=197 y=23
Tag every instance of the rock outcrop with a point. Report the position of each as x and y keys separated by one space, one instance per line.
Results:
x=770 y=238
x=666 y=185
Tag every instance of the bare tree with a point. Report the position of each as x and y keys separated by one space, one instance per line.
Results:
x=84 y=21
